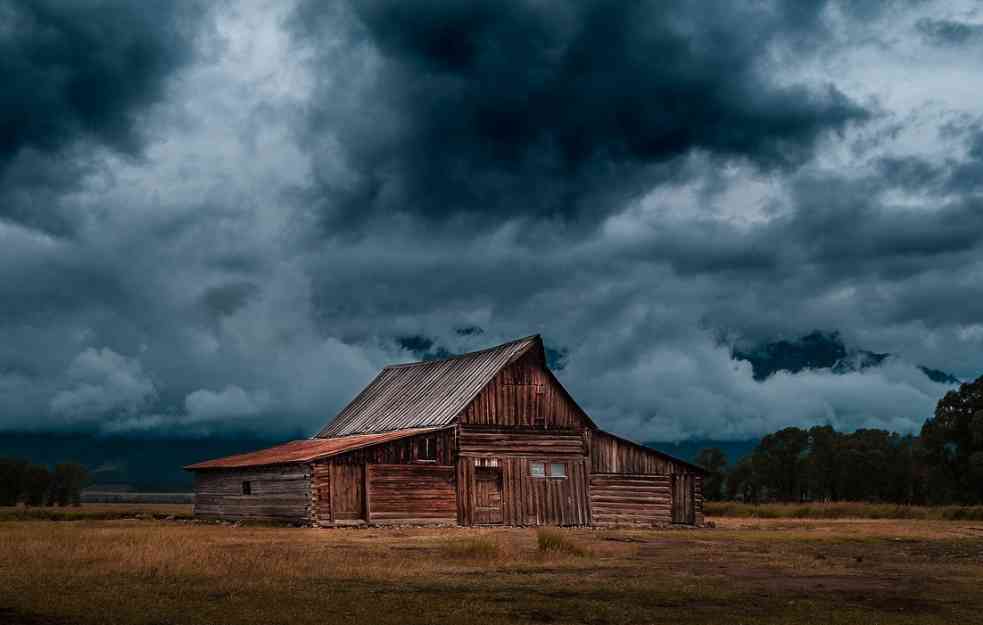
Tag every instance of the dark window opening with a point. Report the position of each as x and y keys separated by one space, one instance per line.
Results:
x=247 y=488
x=426 y=449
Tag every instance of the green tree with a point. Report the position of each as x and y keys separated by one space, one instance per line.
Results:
x=821 y=463
x=951 y=440
x=742 y=483
x=67 y=483
x=866 y=460
x=37 y=484
x=714 y=462
x=11 y=480
x=779 y=463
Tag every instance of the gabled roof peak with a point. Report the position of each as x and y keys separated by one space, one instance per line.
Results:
x=430 y=393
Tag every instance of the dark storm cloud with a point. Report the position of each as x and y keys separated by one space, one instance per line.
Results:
x=74 y=68
x=703 y=157
x=79 y=70
x=561 y=109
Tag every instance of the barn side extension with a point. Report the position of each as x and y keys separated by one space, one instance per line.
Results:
x=485 y=438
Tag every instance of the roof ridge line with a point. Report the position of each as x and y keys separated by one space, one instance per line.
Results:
x=464 y=355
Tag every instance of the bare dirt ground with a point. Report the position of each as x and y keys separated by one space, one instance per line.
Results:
x=743 y=571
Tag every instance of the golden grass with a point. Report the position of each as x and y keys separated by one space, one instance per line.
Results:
x=96 y=512
x=744 y=571
x=554 y=541
x=844 y=510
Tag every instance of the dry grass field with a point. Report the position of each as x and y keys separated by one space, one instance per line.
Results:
x=843 y=510
x=746 y=570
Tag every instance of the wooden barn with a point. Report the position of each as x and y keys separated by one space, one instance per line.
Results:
x=485 y=438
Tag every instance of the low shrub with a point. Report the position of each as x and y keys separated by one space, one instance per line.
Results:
x=473 y=548
x=556 y=542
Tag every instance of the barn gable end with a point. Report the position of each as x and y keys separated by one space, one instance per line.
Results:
x=525 y=395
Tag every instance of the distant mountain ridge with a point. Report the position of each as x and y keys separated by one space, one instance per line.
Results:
x=148 y=464
x=820 y=350
x=688 y=449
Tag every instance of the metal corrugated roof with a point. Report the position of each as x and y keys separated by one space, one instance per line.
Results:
x=304 y=450
x=424 y=394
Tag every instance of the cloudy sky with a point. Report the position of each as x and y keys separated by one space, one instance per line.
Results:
x=227 y=216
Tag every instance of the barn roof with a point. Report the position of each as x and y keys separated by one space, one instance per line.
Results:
x=305 y=450
x=425 y=394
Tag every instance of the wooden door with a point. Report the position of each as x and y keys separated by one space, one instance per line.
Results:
x=488 y=495
x=348 y=492
x=683 y=503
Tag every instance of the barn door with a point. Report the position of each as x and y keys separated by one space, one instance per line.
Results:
x=347 y=492
x=488 y=495
x=683 y=504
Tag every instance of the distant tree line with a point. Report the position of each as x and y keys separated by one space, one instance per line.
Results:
x=36 y=485
x=942 y=465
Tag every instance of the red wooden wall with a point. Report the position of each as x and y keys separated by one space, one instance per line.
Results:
x=525 y=395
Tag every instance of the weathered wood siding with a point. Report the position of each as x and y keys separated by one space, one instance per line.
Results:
x=476 y=441
x=276 y=494
x=407 y=493
x=687 y=499
x=610 y=454
x=403 y=451
x=340 y=496
x=524 y=394
x=525 y=500
x=698 y=499
x=624 y=499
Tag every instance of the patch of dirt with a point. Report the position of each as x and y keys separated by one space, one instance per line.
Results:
x=10 y=616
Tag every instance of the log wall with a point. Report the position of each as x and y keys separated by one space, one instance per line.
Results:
x=524 y=394
x=416 y=494
x=277 y=494
x=476 y=441
x=619 y=499
x=687 y=499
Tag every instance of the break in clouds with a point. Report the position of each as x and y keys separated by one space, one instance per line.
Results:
x=227 y=216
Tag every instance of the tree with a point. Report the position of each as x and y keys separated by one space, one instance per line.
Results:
x=779 y=463
x=67 y=483
x=866 y=461
x=714 y=462
x=11 y=480
x=821 y=463
x=951 y=439
x=742 y=483
x=37 y=484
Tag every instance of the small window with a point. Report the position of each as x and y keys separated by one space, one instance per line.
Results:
x=426 y=450
x=537 y=469
x=247 y=488
x=558 y=469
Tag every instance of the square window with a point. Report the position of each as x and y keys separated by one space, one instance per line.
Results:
x=247 y=488
x=537 y=469
x=558 y=469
